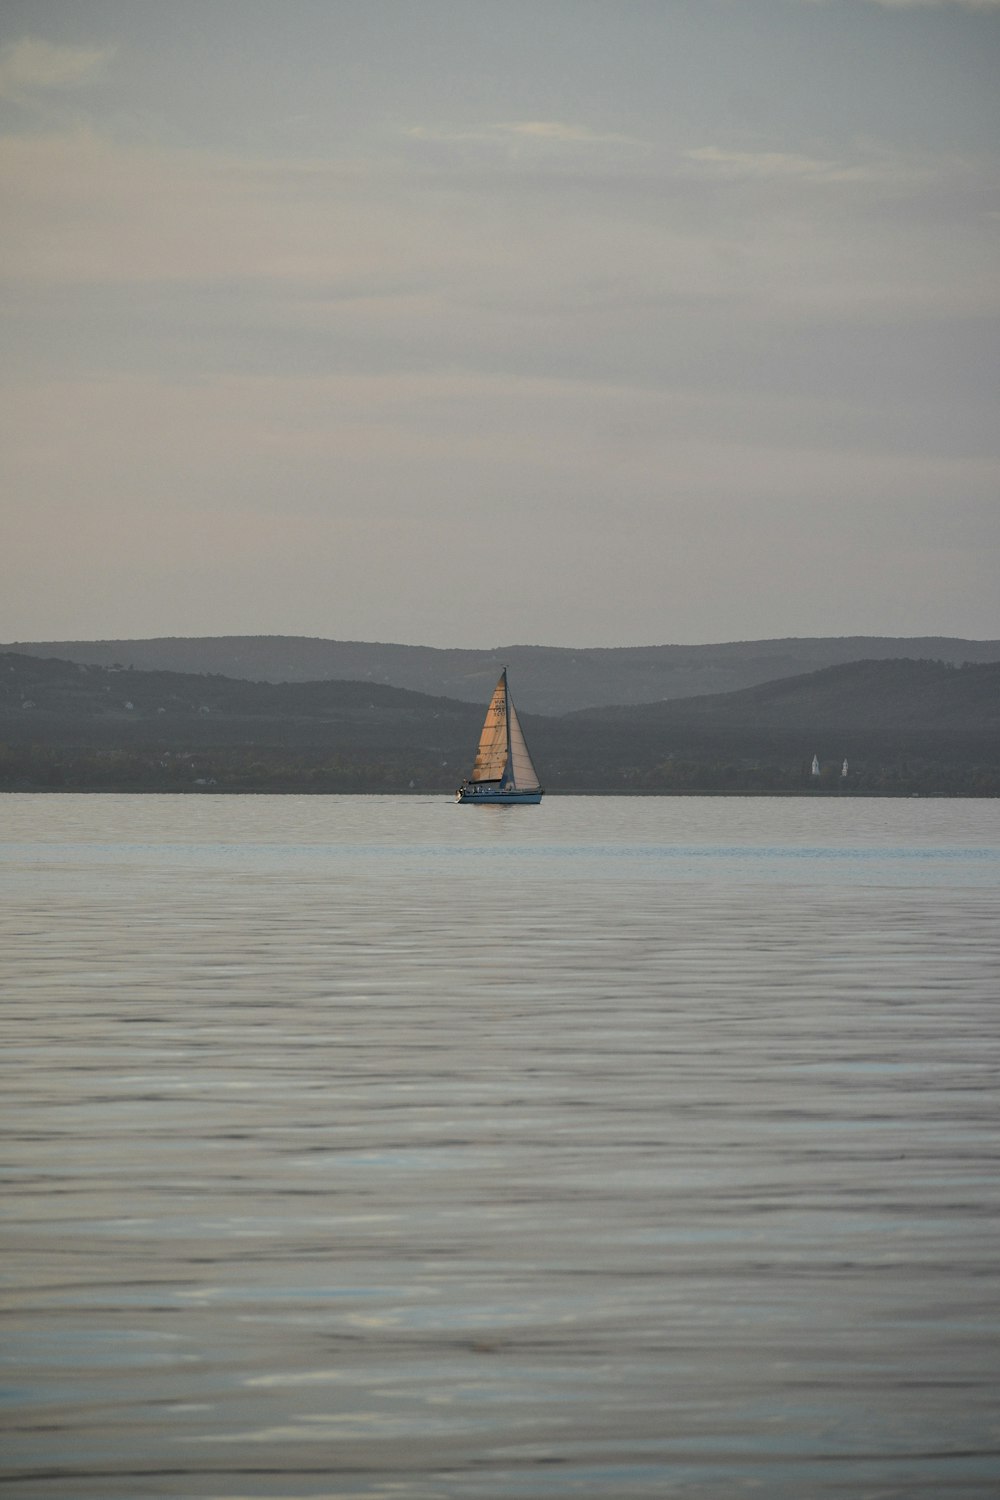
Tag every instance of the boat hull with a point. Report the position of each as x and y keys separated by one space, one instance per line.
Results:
x=496 y=797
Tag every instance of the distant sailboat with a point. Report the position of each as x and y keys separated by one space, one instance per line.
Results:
x=503 y=771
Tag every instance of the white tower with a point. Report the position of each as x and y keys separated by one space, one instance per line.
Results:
x=815 y=765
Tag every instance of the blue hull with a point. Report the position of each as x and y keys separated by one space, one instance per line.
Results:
x=495 y=798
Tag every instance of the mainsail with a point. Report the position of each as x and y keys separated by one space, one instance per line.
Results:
x=491 y=757
x=502 y=755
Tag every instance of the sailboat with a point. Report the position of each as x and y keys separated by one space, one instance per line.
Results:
x=503 y=771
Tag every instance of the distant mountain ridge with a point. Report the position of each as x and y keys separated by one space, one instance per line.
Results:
x=545 y=679
x=880 y=696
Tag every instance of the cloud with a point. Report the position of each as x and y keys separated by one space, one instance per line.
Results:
x=32 y=66
x=569 y=135
x=924 y=4
x=874 y=165
x=928 y=4
x=200 y=256
x=760 y=163
x=86 y=209
x=512 y=132
x=788 y=165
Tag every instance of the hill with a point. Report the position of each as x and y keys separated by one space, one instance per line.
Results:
x=938 y=724
x=546 y=679
x=165 y=725
x=903 y=725
x=882 y=696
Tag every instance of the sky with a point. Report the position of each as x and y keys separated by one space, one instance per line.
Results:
x=481 y=322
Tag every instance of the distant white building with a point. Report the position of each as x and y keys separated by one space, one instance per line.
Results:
x=815 y=765
x=843 y=769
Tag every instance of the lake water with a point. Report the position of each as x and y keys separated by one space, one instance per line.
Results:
x=378 y=1147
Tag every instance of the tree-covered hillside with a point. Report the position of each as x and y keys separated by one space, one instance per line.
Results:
x=902 y=726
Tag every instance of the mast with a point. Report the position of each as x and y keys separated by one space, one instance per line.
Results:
x=507 y=770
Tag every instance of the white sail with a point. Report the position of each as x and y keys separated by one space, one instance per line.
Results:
x=491 y=757
x=522 y=772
